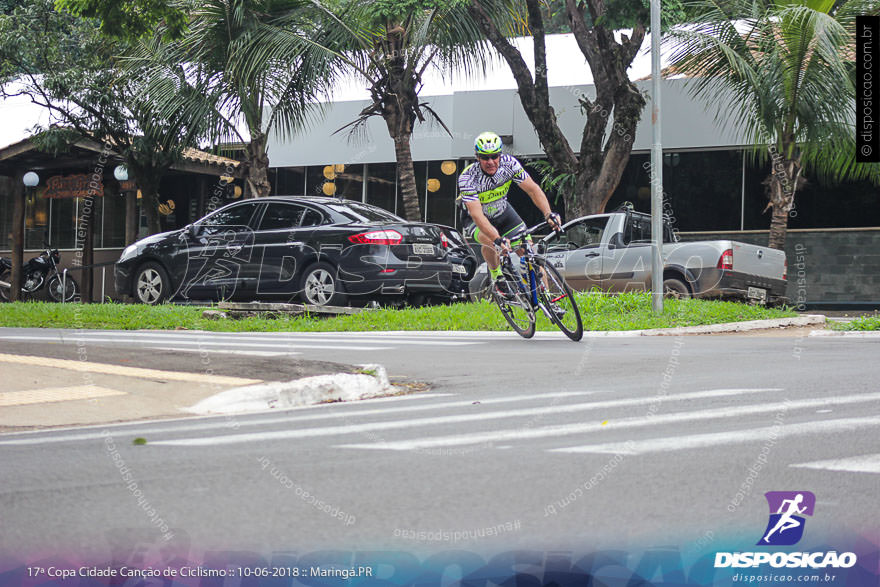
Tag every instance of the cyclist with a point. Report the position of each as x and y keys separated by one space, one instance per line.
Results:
x=483 y=191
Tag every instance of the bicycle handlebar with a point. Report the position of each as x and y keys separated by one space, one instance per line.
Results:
x=531 y=230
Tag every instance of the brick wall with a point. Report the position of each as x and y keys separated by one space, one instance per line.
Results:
x=824 y=266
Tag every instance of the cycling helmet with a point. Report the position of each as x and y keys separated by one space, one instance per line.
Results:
x=487 y=143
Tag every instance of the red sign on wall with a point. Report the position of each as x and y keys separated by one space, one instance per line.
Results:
x=74 y=186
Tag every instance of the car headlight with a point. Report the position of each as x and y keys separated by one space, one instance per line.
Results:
x=129 y=252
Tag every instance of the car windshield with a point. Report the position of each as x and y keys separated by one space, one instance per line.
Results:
x=364 y=213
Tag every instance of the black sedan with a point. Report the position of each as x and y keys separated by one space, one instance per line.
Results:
x=320 y=250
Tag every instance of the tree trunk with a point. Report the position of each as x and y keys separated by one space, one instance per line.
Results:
x=87 y=275
x=147 y=179
x=18 y=212
x=131 y=217
x=600 y=166
x=257 y=168
x=782 y=184
x=406 y=173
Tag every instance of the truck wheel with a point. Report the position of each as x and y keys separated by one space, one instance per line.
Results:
x=675 y=288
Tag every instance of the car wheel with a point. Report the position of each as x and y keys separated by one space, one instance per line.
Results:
x=151 y=284
x=675 y=288
x=321 y=287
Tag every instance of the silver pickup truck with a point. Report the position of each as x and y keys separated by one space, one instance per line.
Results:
x=612 y=252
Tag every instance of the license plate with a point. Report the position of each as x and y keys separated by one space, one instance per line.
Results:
x=421 y=249
x=757 y=293
x=459 y=269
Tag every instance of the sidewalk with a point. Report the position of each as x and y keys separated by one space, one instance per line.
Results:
x=45 y=386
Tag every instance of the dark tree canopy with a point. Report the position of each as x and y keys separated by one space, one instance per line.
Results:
x=129 y=19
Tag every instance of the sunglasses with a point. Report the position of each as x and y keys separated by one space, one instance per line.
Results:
x=489 y=157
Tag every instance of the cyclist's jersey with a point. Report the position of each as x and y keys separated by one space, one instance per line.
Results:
x=491 y=190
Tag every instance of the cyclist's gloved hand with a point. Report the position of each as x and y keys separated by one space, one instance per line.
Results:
x=503 y=244
x=555 y=221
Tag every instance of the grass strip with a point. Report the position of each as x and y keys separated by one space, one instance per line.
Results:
x=863 y=323
x=629 y=311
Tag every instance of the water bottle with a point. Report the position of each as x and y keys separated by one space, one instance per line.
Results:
x=523 y=271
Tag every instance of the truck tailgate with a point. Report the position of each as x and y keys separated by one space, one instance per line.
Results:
x=759 y=261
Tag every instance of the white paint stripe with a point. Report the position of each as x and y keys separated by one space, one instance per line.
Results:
x=720 y=438
x=55 y=394
x=860 y=464
x=223 y=351
x=131 y=341
x=624 y=423
x=419 y=422
x=176 y=335
x=195 y=423
x=139 y=372
x=332 y=415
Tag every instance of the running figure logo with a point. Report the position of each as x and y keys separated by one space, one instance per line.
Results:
x=786 y=525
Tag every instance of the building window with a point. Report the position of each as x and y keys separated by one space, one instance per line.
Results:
x=290 y=181
x=441 y=190
x=382 y=186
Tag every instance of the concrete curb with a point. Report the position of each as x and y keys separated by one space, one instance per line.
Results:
x=798 y=321
x=847 y=333
x=339 y=387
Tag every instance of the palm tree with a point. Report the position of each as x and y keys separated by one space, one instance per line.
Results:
x=391 y=45
x=788 y=65
x=233 y=80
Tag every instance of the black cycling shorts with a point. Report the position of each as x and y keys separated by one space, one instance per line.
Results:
x=506 y=223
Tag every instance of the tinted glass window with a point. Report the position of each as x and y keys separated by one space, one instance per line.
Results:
x=364 y=213
x=312 y=218
x=281 y=216
x=638 y=231
x=234 y=218
x=583 y=234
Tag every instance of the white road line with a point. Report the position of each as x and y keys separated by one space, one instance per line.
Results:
x=176 y=336
x=55 y=394
x=108 y=369
x=624 y=423
x=237 y=343
x=222 y=351
x=225 y=421
x=295 y=418
x=720 y=438
x=860 y=464
x=419 y=422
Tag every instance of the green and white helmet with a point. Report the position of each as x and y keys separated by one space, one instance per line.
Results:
x=487 y=143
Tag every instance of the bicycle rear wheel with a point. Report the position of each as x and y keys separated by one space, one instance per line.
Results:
x=516 y=308
x=559 y=301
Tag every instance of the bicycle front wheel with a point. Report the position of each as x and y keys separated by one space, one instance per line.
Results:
x=516 y=308
x=558 y=299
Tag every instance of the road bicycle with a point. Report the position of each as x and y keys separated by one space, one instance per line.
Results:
x=531 y=284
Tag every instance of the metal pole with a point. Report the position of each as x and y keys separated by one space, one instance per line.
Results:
x=656 y=165
x=364 y=185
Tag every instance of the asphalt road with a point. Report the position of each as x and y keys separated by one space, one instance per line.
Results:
x=543 y=444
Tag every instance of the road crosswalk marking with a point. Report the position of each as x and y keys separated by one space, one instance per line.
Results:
x=859 y=464
x=624 y=423
x=440 y=420
x=303 y=414
x=693 y=441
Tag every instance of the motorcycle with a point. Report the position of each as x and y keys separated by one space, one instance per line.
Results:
x=41 y=271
